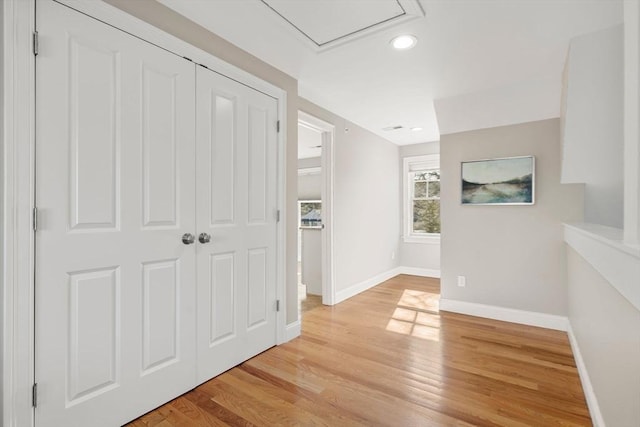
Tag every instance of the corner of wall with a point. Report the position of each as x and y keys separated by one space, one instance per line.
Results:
x=511 y=256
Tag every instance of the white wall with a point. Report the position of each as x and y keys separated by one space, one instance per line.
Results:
x=423 y=256
x=309 y=185
x=632 y=122
x=593 y=137
x=512 y=256
x=365 y=201
x=607 y=329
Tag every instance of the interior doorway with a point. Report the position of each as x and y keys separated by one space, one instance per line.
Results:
x=315 y=213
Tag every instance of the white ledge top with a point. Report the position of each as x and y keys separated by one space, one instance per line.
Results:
x=604 y=248
x=608 y=235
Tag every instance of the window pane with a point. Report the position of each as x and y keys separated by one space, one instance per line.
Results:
x=426 y=216
x=419 y=189
x=433 y=175
x=310 y=214
x=434 y=188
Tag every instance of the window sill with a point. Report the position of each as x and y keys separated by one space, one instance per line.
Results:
x=433 y=239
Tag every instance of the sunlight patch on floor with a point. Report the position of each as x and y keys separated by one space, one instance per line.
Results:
x=420 y=300
x=417 y=315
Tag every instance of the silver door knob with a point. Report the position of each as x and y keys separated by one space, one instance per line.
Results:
x=204 y=238
x=188 y=238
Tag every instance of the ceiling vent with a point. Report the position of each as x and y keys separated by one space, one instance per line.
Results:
x=390 y=128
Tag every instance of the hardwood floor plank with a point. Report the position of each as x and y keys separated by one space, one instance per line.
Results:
x=388 y=357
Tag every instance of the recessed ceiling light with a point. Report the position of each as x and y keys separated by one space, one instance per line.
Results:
x=416 y=129
x=404 y=42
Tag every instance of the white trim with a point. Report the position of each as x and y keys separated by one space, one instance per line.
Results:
x=422 y=272
x=293 y=330
x=371 y=282
x=327 y=159
x=587 y=387
x=357 y=288
x=431 y=161
x=531 y=318
x=309 y=171
x=427 y=239
x=17 y=204
x=281 y=228
x=604 y=249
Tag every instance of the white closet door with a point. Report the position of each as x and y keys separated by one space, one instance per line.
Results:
x=115 y=285
x=236 y=205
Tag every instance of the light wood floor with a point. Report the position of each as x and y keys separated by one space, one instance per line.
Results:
x=387 y=357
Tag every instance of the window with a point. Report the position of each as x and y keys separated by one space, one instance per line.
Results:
x=422 y=198
x=310 y=213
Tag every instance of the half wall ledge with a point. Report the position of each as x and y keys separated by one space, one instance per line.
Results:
x=604 y=248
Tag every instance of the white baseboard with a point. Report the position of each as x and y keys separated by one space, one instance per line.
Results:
x=587 y=387
x=292 y=330
x=531 y=318
x=365 y=284
x=415 y=271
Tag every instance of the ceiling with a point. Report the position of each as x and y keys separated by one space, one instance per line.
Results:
x=309 y=142
x=477 y=63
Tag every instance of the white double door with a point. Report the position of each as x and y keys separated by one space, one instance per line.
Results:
x=136 y=149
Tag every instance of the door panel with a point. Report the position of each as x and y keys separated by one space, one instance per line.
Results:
x=221 y=304
x=257 y=284
x=159 y=146
x=94 y=91
x=115 y=185
x=160 y=296
x=94 y=309
x=257 y=158
x=236 y=205
x=221 y=143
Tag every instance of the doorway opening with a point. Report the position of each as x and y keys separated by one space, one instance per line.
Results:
x=315 y=213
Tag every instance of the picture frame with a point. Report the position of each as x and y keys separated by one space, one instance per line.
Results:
x=310 y=213
x=500 y=181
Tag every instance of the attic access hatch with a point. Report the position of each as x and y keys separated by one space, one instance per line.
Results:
x=325 y=24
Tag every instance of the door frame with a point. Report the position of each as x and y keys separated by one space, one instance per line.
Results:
x=18 y=182
x=327 y=132
x=17 y=206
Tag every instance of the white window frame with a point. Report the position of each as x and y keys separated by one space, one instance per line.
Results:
x=429 y=161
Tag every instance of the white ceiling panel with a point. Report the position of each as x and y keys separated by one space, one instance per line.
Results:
x=325 y=24
x=326 y=21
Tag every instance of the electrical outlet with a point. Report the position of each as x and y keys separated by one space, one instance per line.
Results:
x=393 y=255
x=462 y=281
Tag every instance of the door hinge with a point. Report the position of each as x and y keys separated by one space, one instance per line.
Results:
x=35 y=219
x=278 y=215
x=277 y=305
x=34 y=395
x=278 y=126
x=35 y=43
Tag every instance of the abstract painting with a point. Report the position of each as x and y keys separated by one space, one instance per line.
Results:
x=508 y=181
